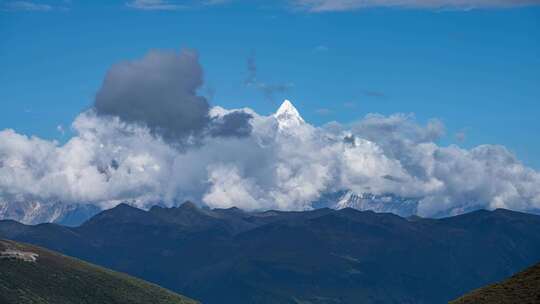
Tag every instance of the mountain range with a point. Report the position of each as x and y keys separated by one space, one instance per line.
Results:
x=275 y=133
x=318 y=256
x=35 y=212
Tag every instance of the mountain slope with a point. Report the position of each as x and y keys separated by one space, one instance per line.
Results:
x=42 y=276
x=318 y=256
x=523 y=287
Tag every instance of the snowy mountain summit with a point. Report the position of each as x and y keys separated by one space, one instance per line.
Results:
x=287 y=116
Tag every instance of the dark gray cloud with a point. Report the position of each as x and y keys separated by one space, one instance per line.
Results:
x=160 y=91
x=393 y=178
x=232 y=124
x=350 y=139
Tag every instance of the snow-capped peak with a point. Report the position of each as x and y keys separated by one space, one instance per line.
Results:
x=379 y=203
x=288 y=116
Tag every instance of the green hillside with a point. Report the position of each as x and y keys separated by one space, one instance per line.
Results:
x=523 y=288
x=55 y=279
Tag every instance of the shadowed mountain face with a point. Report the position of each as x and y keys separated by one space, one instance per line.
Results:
x=29 y=274
x=320 y=256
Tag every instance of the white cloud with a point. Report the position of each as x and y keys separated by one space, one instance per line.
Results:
x=321 y=48
x=153 y=5
x=135 y=145
x=109 y=161
x=27 y=6
x=165 y=5
x=61 y=130
x=347 y=5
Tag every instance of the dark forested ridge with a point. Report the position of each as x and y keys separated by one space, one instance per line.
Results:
x=33 y=275
x=319 y=256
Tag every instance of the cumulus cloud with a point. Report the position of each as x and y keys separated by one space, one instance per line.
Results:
x=122 y=151
x=109 y=161
x=160 y=91
x=347 y=5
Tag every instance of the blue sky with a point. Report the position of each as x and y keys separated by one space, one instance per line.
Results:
x=477 y=70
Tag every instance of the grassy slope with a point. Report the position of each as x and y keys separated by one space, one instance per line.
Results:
x=523 y=288
x=57 y=279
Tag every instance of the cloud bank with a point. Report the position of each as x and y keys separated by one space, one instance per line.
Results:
x=151 y=139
